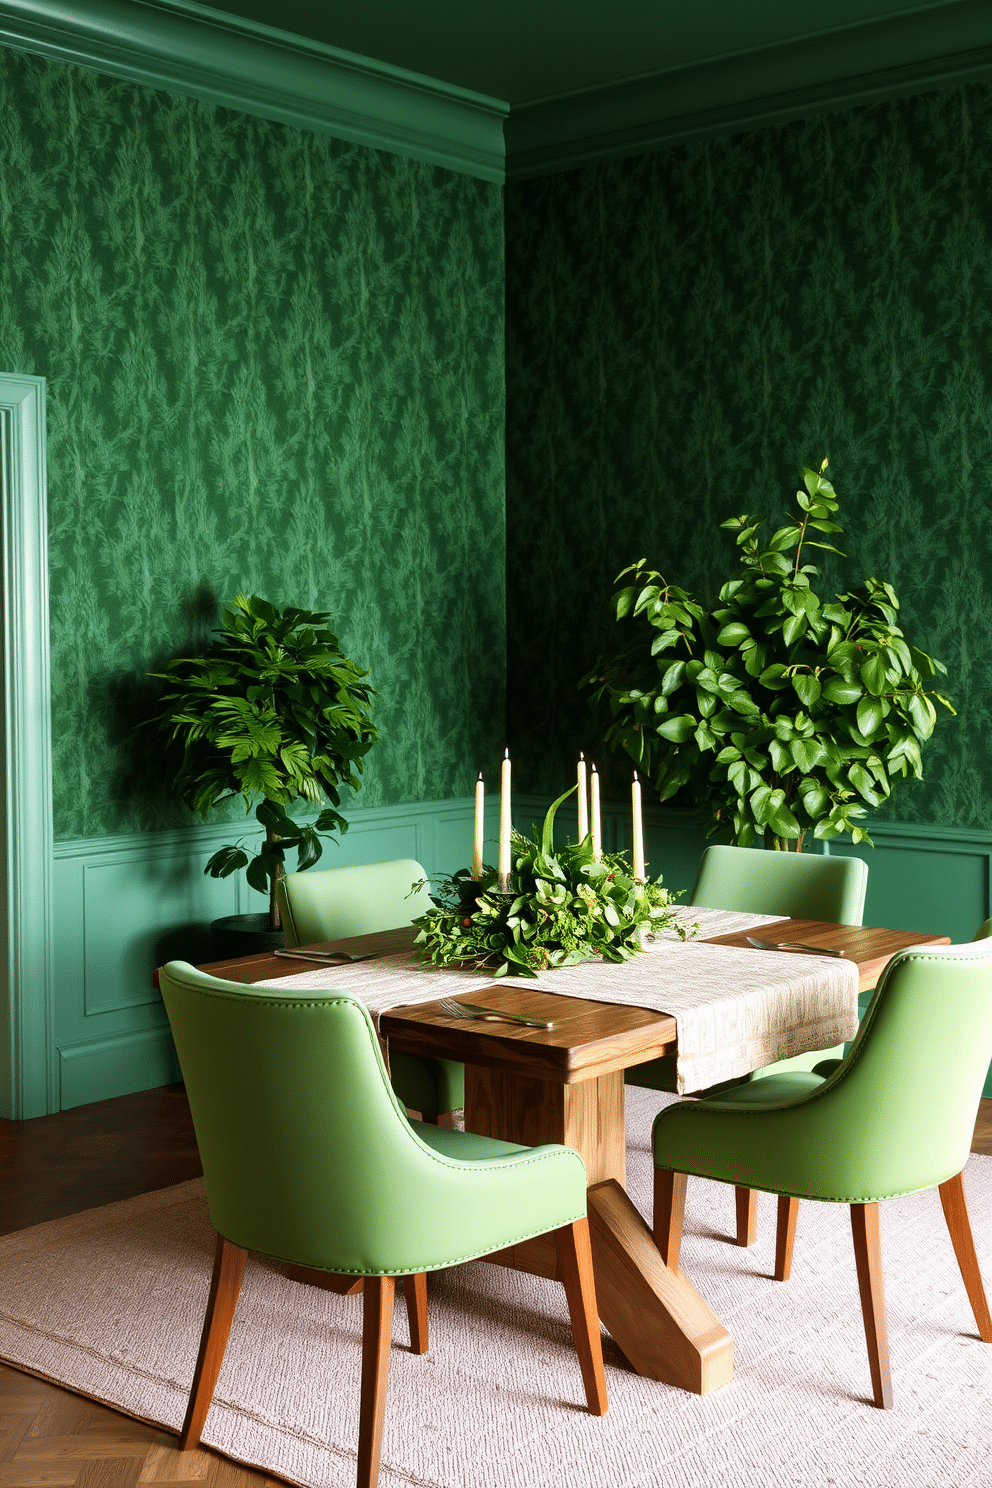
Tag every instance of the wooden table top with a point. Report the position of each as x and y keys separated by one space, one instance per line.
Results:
x=870 y=947
x=589 y=1038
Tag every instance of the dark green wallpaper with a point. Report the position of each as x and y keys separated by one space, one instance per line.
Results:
x=275 y=364
x=684 y=329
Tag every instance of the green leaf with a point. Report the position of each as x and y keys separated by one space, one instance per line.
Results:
x=794 y=627
x=815 y=801
x=807 y=754
x=873 y=675
x=672 y=678
x=677 y=727
x=807 y=688
x=869 y=716
x=733 y=634
x=837 y=690
x=225 y=861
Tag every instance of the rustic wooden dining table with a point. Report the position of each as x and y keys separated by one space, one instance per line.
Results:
x=566 y=1084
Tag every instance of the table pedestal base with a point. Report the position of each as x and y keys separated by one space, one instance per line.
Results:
x=655 y=1315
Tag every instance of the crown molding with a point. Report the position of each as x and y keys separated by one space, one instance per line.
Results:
x=912 y=52
x=201 y=53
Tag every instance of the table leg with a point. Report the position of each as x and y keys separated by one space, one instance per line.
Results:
x=654 y=1314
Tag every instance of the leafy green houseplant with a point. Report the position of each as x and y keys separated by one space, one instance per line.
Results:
x=565 y=907
x=272 y=712
x=778 y=711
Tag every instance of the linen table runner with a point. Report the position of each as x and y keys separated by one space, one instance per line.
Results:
x=736 y=1010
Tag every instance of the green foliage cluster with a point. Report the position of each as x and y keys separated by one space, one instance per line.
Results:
x=272 y=709
x=779 y=711
x=565 y=907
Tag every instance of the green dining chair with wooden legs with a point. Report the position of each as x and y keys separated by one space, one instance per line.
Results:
x=334 y=903
x=795 y=886
x=894 y=1118
x=309 y=1158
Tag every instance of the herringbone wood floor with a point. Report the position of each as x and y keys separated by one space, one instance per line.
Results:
x=77 y=1160
x=60 y=1165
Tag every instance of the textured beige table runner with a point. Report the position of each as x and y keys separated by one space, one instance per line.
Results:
x=736 y=1009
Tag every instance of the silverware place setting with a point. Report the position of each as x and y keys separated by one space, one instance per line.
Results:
x=791 y=945
x=483 y=1014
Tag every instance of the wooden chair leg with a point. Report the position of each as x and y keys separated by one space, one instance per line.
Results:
x=955 y=1208
x=785 y=1236
x=669 y=1214
x=225 y=1288
x=575 y=1269
x=377 y=1333
x=415 y=1292
x=868 y=1255
x=747 y=1215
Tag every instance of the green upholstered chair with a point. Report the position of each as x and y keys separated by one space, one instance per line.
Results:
x=309 y=1158
x=797 y=886
x=334 y=903
x=874 y=1129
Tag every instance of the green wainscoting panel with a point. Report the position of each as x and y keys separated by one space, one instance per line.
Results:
x=125 y=904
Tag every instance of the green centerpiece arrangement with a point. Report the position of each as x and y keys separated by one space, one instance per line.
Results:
x=275 y=713
x=565 y=905
x=778 y=711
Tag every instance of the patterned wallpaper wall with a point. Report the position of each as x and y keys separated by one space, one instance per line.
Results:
x=685 y=329
x=275 y=364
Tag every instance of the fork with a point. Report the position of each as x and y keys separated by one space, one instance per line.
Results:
x=488 y=1014
x=791 y=945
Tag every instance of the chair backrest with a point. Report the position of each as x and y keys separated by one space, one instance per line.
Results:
x=903 y=1102
x=307 y=1154
x=802 y=886
x=334 y=903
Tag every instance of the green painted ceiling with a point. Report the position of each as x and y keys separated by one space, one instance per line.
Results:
x=522 y=51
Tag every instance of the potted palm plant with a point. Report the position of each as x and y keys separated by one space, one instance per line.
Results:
x=273 y=712
x=777 y=711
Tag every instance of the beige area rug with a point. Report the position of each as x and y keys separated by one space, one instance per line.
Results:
x=110 y=1303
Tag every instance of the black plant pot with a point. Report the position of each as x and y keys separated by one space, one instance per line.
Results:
x=242 y=935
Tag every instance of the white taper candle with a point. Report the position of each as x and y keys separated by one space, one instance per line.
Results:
x=480 y=817
x=637 y=829
x=583 y=800
x=503 y=865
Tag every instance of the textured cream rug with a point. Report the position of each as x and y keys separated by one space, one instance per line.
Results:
x=110 y=1303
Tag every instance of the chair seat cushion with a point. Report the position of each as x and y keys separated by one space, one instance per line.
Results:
x=464 y=1146
x=771 y=1090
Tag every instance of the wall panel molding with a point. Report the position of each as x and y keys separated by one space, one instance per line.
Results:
x=129 y=902
x=257 y=70
x=26 y=1073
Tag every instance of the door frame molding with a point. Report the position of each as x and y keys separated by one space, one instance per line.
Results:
x=26 y=927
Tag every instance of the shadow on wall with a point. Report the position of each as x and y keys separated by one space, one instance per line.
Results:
x=142 y=762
